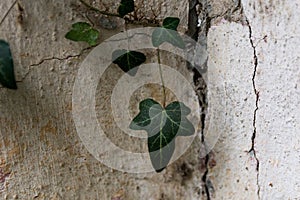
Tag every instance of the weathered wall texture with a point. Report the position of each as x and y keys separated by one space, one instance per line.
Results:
x=253 y=97
x=277 y=83
x=42 y=156
x=252 y=120
x=231 y=104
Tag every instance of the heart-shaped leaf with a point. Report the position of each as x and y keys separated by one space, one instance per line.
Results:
x=162 y=126
x=7 y=76
x=168 y=33
x=126 y=6
x=128 y=60
x=82 y=31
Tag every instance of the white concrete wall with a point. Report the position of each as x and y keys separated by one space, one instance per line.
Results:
x=256 y=102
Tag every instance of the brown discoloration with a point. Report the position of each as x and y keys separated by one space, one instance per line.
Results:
x=3 y=176
x=155 y=91
x=49 y=128
x=120 y=195
x=186 y=171
x=20 y=17
x=14 y=151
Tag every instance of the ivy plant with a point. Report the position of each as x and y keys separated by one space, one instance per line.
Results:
x=128 y=60
x=82 y=31
x=168 y=33
x=7 y=76
x=163 y=123
x=126 y=6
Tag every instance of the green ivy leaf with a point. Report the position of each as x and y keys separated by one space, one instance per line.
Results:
x=171 y=23
x=127 y=60
x=126 y=6
x=82 y=31
x=168 y=33
x=162 y=126
x=7 y=76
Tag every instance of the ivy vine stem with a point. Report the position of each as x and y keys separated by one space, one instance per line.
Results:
x=128 y=39
x=99 y=11
x=135 y=22
x=161 y=78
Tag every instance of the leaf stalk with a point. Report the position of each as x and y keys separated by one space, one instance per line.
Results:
x=99 y=11
x=161 y=78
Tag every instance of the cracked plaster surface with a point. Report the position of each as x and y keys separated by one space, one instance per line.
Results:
x=253 y=102
x=256 y=92
x=253 y=97
x=43 y=157
x=231 y=104
x=277 y=79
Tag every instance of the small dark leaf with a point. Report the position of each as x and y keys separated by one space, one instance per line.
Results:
x=128 y=60
x=126 y=6
x=82 y=31
x=162 y=126
x=7 y=76
x=171 y=23
x=168 y=33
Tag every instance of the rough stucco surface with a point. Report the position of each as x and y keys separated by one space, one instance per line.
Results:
x=42 y=156
x=251 y=106
x=231 y=103
x=253 y=97
x=277 y=81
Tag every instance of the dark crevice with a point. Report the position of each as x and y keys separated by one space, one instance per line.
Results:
x=195 y=31
x=208 y=23
x=199 y=34
x=205 y=180
x=252 y=149
x=200 y=9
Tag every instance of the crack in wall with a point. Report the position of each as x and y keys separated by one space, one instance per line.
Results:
x=50 y=59
x=8 y=11
x=252 y=149
x=236 y=14
x=199 y=34
x=54 y=58
x=62 y=59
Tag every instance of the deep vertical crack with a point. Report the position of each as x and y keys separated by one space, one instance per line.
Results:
x=198 y=32
x=252 y=149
